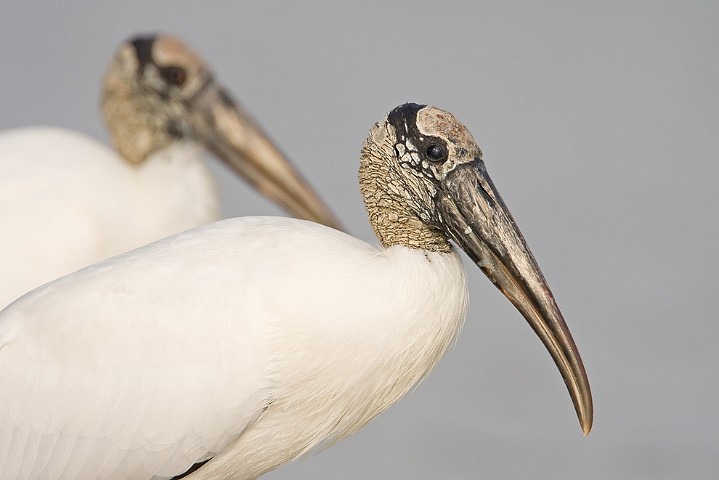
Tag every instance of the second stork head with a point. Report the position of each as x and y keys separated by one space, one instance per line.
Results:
x=158 y=91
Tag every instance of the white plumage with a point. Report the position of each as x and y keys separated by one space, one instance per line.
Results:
x=67 y=201
x=177 y=378
x=251 y=340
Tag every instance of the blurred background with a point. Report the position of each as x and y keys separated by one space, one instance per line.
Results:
x=599 y=123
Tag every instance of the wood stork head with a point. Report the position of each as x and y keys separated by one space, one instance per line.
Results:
x=157 y=91
x=424 y=183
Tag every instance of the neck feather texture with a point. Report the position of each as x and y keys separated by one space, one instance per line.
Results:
x=135 y=131
x=390 y=201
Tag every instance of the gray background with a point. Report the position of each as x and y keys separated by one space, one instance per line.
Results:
x=598 y=122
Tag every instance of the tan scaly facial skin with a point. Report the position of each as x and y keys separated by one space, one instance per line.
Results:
x=439 y=189
x=157 y=91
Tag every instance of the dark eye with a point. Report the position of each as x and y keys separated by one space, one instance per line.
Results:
x=174 y=75
x=435 y=152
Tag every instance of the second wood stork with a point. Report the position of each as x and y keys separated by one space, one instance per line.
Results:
x=67 y=201
x=251 y=340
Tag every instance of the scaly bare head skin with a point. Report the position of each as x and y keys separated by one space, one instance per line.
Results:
x=424 y=183
x=398 y=180
x=144 y=93
x=157 y=91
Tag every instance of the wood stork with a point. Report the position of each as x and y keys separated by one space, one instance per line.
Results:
x=251 y=340
x=67 y=201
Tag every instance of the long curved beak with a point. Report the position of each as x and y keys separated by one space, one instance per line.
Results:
x=477 y=219
x=231 y=134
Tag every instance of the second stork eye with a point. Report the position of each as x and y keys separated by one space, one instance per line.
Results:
x=174 y=75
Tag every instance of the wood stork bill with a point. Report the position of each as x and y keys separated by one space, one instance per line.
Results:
x=251 y=340
x=67 y=201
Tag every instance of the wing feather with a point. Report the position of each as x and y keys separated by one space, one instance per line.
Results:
x=147 y=363
x=139 y=366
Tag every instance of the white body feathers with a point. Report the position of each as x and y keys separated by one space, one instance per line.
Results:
x=67 y=201
x=251 y=339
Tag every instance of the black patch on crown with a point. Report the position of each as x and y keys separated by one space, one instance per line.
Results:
x=404 y=121
x=143 y=50
x=406 y=113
